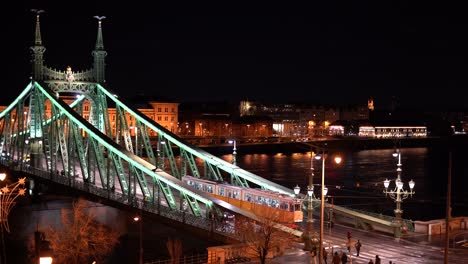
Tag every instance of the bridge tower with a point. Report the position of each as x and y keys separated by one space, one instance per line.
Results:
x=59 y=81
x=40 y=71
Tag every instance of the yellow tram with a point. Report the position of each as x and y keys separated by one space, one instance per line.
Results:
x=256 y=201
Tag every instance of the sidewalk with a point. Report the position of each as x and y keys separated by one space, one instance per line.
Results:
x=438 y=240
x=412 y=248
x=295 y=255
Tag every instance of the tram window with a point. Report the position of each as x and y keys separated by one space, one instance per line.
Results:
x=235 y=195
x=274 y=203
x=248 y=197
x=284 y=206
x=297 y=207
x=221 y=191
x=198 y=186
x=209 y=188
x=229 y=194
x=259 y=199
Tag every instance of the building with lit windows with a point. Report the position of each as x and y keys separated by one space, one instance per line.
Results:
x=303 y=120
x=164 y=113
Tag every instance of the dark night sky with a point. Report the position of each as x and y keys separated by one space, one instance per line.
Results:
x=330 y=52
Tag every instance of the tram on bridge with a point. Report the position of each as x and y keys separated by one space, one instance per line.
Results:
x=257 y=201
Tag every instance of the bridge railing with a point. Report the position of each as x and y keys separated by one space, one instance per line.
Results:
x=135 y=202
x=194 y=259
x=407 y=224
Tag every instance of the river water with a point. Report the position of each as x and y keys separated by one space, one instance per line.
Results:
x=358 y=181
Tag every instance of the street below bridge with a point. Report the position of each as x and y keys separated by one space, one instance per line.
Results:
x=411 y=249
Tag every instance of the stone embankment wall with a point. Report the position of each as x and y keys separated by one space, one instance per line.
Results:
x=437 y=227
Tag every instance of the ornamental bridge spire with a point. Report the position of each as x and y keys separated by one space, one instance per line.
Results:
x=99 y=54
x=37 y=50
x=59 y=80
x=38 y=39
x=99 y=41
x=67 y=80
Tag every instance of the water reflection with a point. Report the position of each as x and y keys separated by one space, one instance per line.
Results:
x=358 y=180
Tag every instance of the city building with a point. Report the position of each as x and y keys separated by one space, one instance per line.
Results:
x=303 y=120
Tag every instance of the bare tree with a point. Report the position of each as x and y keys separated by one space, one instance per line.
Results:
x=174 y=246
x=262 y=236
x=81 y=239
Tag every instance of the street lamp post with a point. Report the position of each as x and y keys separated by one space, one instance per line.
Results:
x=139 y=219
x=323 y=193
x=234 y=151
x=398 y=194
x=310 y=237
x=330 y=220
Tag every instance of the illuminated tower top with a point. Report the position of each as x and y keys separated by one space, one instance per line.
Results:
x=37 y=35
x=99 y=40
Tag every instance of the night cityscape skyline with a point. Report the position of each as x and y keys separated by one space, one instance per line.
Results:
x=329 y=53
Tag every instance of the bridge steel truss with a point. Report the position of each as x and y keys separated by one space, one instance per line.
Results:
x=66 y=144
x=110 y=160
x=62 y=142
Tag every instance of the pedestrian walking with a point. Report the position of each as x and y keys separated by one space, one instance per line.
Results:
x=358 y=247
x=377 y=259
x=336 y=258
x=348 y=244
x=370 y=261
x=344 y=258
x=325 y=255
x=313 y=254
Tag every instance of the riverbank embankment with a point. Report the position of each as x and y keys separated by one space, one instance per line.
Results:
x=342 y=144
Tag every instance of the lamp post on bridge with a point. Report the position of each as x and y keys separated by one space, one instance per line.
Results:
x=398 y=194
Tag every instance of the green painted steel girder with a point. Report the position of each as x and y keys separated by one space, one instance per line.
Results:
x=113 y=147
x=211 y=159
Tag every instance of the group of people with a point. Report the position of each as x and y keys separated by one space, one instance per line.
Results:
x=357 y=245
x=339 y=258
x=377 y=260
x=342 y=257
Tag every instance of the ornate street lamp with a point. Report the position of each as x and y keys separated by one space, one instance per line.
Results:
x=323 y=192
x=310 y=237
x=398 y=194
x=234 y=153
x=297 y=190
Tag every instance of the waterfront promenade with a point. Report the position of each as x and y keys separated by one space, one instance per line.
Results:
x=413 y=249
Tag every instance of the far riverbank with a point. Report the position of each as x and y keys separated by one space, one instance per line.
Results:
x=343 y=144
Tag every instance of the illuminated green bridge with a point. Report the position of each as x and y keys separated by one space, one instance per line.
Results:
x=46 y=137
